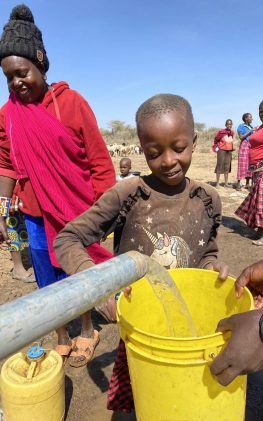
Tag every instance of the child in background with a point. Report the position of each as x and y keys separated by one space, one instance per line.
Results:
x=125 y=169
x=164 y=215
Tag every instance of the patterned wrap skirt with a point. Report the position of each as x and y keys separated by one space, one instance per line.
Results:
x=120 y=396
x=243 y=161
x=17 y=232
x=251 y=209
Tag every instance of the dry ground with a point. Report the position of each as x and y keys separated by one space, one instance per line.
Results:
x=86 y=387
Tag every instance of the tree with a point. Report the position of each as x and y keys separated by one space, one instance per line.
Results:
x=116 y=126
x=199 y=127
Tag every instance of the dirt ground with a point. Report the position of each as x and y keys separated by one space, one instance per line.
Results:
x=86 y=387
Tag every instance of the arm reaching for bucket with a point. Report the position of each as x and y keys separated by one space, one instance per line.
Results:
x=252 y=276
x=244 y=351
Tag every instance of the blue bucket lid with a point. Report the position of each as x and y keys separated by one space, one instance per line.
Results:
x=35 y=352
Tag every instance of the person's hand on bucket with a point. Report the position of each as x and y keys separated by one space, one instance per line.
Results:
x=252 y=276
x=244 y=351
x=127 y=291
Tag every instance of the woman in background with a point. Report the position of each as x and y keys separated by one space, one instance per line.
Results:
x=223 y=146
x=58 y=156
x=244 y=131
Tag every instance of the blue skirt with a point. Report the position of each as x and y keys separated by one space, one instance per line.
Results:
x=45 y=272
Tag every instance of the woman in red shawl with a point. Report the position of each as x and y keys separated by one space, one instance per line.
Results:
x=223 y=146
x=51 y=144
x=251 y=209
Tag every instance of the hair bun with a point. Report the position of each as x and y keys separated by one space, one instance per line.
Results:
x=22 y=12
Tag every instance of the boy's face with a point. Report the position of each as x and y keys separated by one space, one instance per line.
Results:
x=125 y=167
x=168 y=142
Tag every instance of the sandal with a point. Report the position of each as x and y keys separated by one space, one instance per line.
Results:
x=30 y=278
x=258 y=242
x=64 y=350
x=84 y=347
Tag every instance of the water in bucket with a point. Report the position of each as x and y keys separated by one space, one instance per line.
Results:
x=179 y=320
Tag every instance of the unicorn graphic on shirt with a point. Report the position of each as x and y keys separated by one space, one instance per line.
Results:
x=170 y=252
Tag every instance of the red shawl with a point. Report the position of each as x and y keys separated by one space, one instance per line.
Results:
x=57 y=166
x=219 y=139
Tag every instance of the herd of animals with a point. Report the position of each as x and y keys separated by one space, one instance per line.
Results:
x=116 y=149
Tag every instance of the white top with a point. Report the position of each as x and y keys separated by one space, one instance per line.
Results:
x=120 y=177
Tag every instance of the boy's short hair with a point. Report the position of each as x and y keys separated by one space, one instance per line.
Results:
x=161 y=104
x=125 y=159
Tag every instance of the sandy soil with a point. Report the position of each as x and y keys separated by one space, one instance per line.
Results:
x=86 y=387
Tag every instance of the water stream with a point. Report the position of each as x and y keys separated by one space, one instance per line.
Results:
x=179 y=320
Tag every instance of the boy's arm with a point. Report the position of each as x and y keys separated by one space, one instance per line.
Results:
x=211 y=253
x=70 y=244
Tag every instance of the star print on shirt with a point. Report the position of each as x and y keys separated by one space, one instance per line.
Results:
x=201 y=243
x=149 y=206
x=140 y=248
x=132 y=240
x=202 y=232
x=181 y=218
x=149 y=220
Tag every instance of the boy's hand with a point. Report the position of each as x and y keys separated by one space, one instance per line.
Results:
x=127 y=292
x=220 y=267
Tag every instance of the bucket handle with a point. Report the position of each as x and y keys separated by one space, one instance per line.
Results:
x=208 y=356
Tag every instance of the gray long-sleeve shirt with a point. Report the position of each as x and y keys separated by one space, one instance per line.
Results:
x=176 y=230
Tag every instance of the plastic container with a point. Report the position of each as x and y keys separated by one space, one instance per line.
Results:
x=33 y=386
x=170 y=377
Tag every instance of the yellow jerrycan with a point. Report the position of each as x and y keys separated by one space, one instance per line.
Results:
x=170 y=376
x=33 y=386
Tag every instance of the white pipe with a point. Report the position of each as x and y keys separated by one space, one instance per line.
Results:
x=34 y=315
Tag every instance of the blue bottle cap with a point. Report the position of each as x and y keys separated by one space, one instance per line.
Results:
x=35 y=352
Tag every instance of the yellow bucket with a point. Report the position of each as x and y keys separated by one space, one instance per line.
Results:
x=33 y=391
x=170 y=377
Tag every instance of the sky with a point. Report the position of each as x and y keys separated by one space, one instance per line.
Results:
x=118 y=53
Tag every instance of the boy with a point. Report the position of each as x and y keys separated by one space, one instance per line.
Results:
x=164 y=215
x=125 y=169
